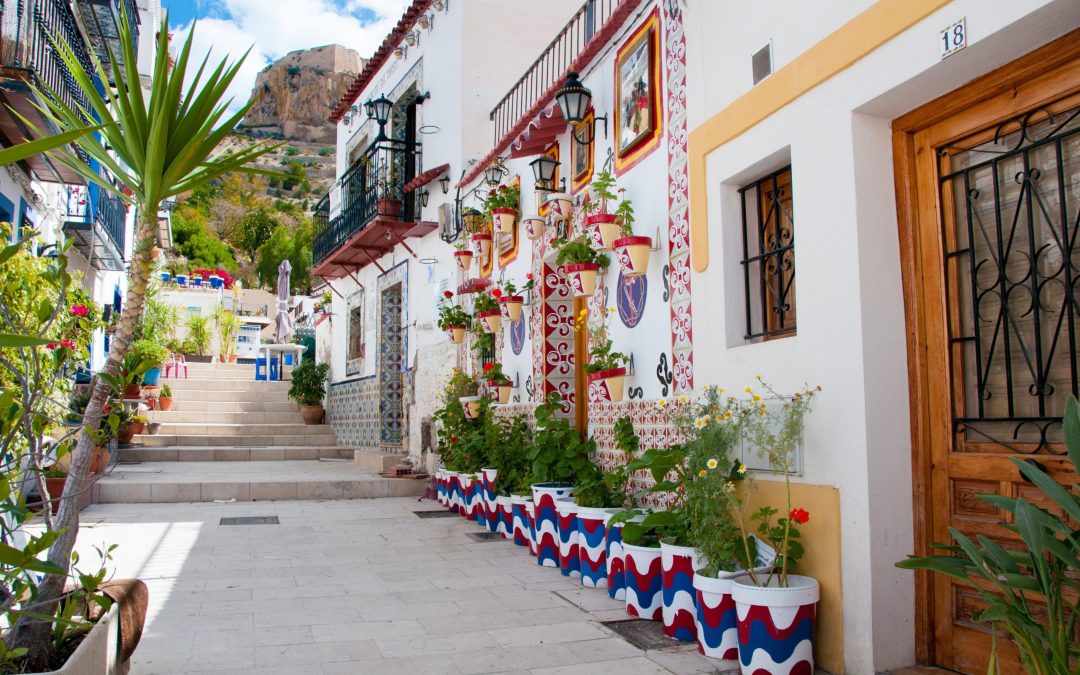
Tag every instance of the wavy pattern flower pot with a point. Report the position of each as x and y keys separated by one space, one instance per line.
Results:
x=505 y=219
x=616 y=564
x=530 y=512
x=717 y=634
x=472 y=406
x=453 y=491
x=677 y=567
x=520 y=530
x=491 y=512
x=547 y=521
x=476 y=501
x=504 y=521
x=610 y=382
x=511 y=306
x=592 y=549
x=491 y=319
x=465 y=480
x=633 y=254
x=776 y=625
x=643 y=582
x=561 y=205
x=569 y=564
x=603 y=231
x=582 y=278
x=463 y=260
x=456 y=334
x=440 y=486
x=482 y=244
x=534 y=228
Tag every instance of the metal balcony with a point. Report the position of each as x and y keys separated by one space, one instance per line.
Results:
x=97 y=222
x=102 y=21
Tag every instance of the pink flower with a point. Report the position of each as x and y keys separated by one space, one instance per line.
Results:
x=51 y=345
x=79 y=310
x=67 y=343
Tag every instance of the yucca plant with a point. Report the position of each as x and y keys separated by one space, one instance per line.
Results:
x=159 y=145
x=1031 y=595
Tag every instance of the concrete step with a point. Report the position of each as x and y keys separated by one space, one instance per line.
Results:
x=176 y=415
x=233 y=430
x=182 y=396
x=375 y=461
x=227 y=385
x=193 y=453
x=175 y=482
x=214 y=440
x=203 y=406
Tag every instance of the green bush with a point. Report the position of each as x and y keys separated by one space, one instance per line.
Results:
x=149 y=351
x=309 y=382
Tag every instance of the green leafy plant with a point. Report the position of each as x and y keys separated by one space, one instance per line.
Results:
x=603 y=187
x=600 y=355
x=199 y=333
x=150 y=352
x=1030 y=594
x=510 y=454
x=493 y=372
x=559 y=455
x=502 y=197
x=625 y=213
x=464 y=444
x=166 y=391
x=228 y=324
x=485 y=302
x=510 y=288
x=578 y=251
x=309 y=382
x=618 y=479
x=451 y=313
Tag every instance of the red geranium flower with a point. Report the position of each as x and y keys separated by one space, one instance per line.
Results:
x=497 y=293
x=448 y=294
x=453 y=439
x=488 y=366
x=79 y=310
x=51 y=345
x=529 y=276
x=67 y=343
x=799 y=515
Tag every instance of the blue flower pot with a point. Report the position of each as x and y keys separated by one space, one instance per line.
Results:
x=151 y=377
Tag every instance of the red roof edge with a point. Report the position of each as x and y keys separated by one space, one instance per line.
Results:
x=426 y=177
x=593 y=47
x=375 y=63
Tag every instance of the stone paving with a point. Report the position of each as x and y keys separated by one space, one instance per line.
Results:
x=361 y=586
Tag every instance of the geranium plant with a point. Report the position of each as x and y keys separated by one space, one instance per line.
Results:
x=451 y=314
x=486 y=302
x=493 y=372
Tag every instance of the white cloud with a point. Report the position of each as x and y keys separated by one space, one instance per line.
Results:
x=235 y=25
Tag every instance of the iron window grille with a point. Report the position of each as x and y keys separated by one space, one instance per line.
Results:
x=769 y=256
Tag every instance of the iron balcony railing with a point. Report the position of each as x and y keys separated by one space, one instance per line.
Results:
x=552 y=64
x=112 y=216
x=372 y=188
x=320 y=218
x=101 y=18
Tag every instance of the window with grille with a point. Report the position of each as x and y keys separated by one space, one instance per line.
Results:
x=769 y=256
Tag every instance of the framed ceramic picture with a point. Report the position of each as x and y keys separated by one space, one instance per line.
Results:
x=581 y=154
x=637 y=94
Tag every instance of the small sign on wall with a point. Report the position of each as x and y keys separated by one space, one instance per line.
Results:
x=953 y=38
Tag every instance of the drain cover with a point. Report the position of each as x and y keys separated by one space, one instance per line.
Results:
x=642 y=634
x=484 y=536
x=250 y=520
x=435 y=514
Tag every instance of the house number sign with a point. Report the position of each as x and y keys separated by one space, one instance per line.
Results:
x=953 y=38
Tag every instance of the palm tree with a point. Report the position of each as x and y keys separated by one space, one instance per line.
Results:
x=161 y=146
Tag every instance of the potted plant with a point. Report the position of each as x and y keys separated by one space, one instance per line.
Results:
x=534 y=227
x=771 y=598
x=152 y=354
x=601 y=225
x=153 y=428
x=227 y=324
x=481 y=242
x=581 y=264
x=388 y=201
x=511 y=299
x=198 y=339
x=463 y=256
x=452 y=319
x=472 y=219
x=561 y=205
x=165 y=400
x=605 y=367
x=487 y=309
x=308 y=389
x=631 y=250
x=132 y=370
x=498 y=381
x=501 y=208
x=467 y=389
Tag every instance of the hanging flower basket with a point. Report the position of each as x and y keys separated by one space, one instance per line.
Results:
x=610 y=382
x=504 y=218
x=633 y=254
x=534 y=228
x=502 y=390
x=471 y=405
x=582 y=278
x=492 y=320
x=603 y=230
x=473 y=221
x=482 y=243
x=456 y=334
x=561 y=205
x=775 y=620
x=511 y=306
x=463 y=260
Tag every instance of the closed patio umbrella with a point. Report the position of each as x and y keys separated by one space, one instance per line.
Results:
x=284 y=321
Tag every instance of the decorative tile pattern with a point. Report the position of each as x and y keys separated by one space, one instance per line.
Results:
x=393 y=349
x=682 y=328
x=652 y=427
x=353 y=411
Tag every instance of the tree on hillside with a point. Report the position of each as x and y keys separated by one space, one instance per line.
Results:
x=294 y=244
x=255 y=228
x=193 y=240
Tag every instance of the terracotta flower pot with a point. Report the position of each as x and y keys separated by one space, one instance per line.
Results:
x=482 y=243
x=456 y=334
x=389 y=207
x=99 y=460
x=561 y=205
x=603 y=231
x=491 y=319
x=505 y=219
x=677 y=567
x=132 y=391
x=312 y=414
x=165 y=402
x=534 y=228
x=55 y=486
x=463 y=260
x=138 y=427
x=781 y=621
x=471 y=405
x=511 y=306
x=633 y=254
x=125 y=433
x=582 y=278
x=610 y=382
x=502 y=390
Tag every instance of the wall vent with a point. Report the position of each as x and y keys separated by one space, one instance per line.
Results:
x=761 y=63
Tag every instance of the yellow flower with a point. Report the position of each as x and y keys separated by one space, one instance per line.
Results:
x=683 y=399
x=727 y=415
x=583 y=312
x=749 y=390
x=702 y=473
x=758 y=377
x=611 y=310
x=757 y=397
x=742 y=468
x=661 y=403
x=712 y=463
x=761 y=414
x=720 y=389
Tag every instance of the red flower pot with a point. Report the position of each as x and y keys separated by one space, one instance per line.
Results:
x=492 y=320
x=602 y=230
x=633 y=254
x=511 y=305
x=482 y=242
x=610 y=382
x=582 y=278
x=463 y=260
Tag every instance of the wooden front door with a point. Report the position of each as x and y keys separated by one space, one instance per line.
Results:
x=989 y=198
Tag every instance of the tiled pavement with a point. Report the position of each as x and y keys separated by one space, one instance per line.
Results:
x=359 y=586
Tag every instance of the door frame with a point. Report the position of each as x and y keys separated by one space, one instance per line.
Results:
x=1011 y=88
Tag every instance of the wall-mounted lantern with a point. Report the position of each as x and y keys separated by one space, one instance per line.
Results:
x=444 y=183
x=544 y=173
x=574 y=100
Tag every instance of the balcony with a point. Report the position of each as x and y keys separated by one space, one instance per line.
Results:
x=28 y=58
x=102 y=21
x=376 y=212
x=97 y=223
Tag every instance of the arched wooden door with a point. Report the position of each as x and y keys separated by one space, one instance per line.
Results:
x=989 y=199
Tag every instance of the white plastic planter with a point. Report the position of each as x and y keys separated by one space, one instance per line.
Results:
x=466 y=481
x=440 y=486
x=453 y=491
x=504 y=509
x=644 y=596
x=491 y=512
x=567 y=510
x=592 y=545
x=530 y=511
x=546 y=530
x=776 y=625
x=716 y=620
x=677 y=565
x=99 y=652
x=521 y=530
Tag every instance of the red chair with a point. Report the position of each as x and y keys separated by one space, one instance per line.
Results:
x=176 y=361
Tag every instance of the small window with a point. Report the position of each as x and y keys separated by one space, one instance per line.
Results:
x=769 y=256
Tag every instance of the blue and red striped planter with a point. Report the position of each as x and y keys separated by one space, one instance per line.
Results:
x=717 y=634
x=453 y=491
x=644 y=594
x=569 y=564
x=504 y=519
x=776 y=625
x=491 y=514
x=530 y=513
x=592 y=545
x=677 y=565
x=521 y=530
x=546 y=532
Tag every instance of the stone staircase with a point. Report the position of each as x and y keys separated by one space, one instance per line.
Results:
x=229 y=437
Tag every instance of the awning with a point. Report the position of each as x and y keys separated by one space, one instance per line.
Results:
x=426 y=177
x=540 y=133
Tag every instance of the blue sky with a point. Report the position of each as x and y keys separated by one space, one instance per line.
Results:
x=272 y=28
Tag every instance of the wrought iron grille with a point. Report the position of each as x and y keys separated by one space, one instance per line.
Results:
x=320 y=217
x=552 y=64
x=112 y=216
x=769 y=256
x=1011 y=213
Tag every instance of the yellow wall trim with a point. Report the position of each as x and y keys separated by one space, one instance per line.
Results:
x=837 y=51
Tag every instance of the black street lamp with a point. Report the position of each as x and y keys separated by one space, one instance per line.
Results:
x=544 y=173
x=444 y=182
x=574 y=101
x=379 y=110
